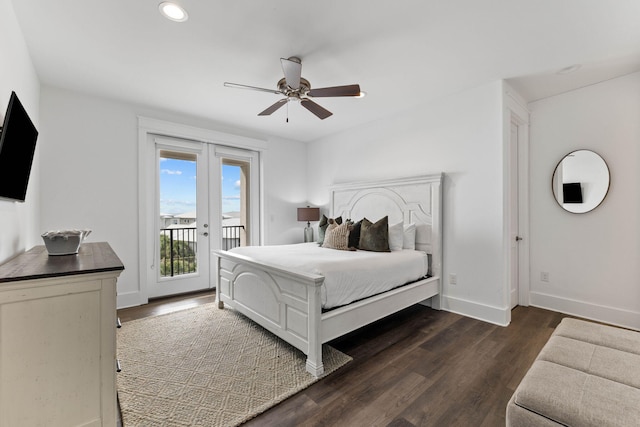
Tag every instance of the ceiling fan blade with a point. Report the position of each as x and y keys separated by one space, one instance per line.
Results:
x=274 y=107
x=292 y=69
x=239 y=86
x=319 y=111
x=348 y=90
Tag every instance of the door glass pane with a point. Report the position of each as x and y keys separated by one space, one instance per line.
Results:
x=178 y=243
x=234 y=205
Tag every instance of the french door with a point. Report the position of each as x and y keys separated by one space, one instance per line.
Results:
x=181 y=237
x=206 y=197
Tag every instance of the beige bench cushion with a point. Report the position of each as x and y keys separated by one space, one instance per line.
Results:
x=604 y=362
x=520 y=417
x=587 y=374
x=594 y=333
x=575 y=398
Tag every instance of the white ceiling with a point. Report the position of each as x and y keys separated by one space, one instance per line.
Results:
x=403 y=53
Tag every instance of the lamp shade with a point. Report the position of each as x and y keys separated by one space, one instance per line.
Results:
x=308 y=214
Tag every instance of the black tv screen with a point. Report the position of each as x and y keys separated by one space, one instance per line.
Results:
x=17 y=147
x=572 y=192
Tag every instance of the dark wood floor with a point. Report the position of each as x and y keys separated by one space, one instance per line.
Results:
x=165 y=305
x=419 y=367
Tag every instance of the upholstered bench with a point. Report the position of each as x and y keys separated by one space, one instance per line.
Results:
x=587 y=374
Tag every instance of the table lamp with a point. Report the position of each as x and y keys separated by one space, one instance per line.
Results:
x=308 y=214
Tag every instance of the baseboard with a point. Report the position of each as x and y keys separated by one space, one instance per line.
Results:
x=486 y=313
x=600 y=313
x=129 y=299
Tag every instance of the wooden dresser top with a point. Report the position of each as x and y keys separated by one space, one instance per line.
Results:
x=36 y=263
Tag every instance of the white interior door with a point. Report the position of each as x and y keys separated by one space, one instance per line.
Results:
x=517 y=137
x=514 y=215
x=181 y=232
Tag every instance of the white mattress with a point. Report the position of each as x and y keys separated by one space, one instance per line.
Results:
x=349 y=275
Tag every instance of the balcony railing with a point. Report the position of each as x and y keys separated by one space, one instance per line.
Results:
x=232 y=236
x=179 y=246
x=178 y=249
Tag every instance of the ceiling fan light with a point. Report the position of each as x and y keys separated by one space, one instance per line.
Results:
x=173 y=11
x=362 y=94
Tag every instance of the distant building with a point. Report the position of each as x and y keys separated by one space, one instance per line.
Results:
x=183 y=220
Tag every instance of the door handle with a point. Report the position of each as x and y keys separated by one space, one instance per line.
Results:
x=518 y=238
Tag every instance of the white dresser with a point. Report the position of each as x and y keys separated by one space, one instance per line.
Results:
x=58 y=338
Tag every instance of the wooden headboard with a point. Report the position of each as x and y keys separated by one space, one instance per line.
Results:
x=413 y=200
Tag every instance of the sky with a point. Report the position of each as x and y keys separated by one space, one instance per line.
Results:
x=178 y=187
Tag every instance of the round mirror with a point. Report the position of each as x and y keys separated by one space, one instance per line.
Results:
x=580 y=181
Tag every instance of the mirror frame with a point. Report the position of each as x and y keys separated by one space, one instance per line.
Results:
x=555 y=170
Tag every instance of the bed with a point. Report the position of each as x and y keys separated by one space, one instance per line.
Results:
x=288 y=296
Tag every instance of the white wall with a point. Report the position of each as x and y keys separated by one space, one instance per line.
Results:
x=592 y=258
x=18 y=221
x=286 y=186
x=90 y=174
x=460 y=135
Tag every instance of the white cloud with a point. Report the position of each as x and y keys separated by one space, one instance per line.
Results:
x=171 y=172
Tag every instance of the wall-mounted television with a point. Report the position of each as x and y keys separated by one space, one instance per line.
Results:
x=572 y=192
x=17 y=147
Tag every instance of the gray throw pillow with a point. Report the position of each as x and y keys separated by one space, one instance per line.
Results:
x=374 y=236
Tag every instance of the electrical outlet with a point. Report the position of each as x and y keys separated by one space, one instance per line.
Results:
x=544 y=276
x=453 y=279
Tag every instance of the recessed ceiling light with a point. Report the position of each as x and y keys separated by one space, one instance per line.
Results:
x=173 y=11
x=570 y=69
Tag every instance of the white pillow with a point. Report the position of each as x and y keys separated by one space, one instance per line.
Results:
x=396 y=237
x=409 y=237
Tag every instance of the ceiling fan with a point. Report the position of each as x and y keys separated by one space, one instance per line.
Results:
x=296 y=88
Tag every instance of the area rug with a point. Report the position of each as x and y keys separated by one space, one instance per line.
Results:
x=207 y=367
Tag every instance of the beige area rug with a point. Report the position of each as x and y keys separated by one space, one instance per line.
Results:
x=207 y=367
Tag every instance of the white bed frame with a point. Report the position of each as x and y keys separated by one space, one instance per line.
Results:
x=287 y=303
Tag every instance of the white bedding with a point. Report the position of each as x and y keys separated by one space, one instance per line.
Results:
x=349 y=275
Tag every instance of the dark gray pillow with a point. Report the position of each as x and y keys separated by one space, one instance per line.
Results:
x=354 y=235
x=322 y=227
x=374 y=236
